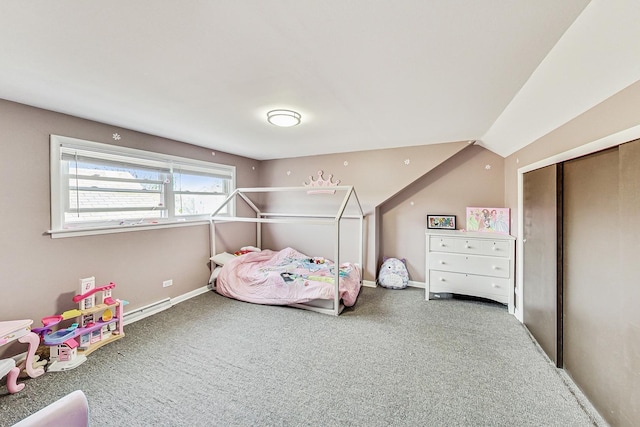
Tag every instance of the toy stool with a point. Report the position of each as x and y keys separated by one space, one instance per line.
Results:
x=18 y=330
x=8 y=368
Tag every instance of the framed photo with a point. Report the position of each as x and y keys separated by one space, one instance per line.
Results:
x=445 y=222
x=492 y=220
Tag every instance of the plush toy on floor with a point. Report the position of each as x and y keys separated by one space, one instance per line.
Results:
x=393 y=273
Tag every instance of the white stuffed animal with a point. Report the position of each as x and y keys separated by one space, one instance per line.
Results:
x=393 y=274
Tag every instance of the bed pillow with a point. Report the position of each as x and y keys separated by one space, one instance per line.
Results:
x=221 y=258
x=214 y=274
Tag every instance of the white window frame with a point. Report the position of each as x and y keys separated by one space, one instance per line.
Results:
x=59 y=185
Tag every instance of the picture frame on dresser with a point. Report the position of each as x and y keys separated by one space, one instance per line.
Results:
x=441 y=222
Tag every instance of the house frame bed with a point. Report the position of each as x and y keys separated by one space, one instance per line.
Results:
x=335 y=220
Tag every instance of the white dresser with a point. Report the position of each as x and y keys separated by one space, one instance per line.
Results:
x=471 y=263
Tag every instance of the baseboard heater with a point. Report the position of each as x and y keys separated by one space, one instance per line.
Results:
x=146 y=311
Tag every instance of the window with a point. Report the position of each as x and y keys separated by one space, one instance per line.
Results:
x=101 y=187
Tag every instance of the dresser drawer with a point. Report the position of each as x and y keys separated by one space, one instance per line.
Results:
x=493 y=288
x=483 y=265
x=488 y=247
x=443 y=244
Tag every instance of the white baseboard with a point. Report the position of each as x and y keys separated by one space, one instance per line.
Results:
x=146 y=311
x=157 y=307
x=189 y=295
x=413 y=284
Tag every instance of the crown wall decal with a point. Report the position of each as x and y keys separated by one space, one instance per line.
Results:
x=321 y=185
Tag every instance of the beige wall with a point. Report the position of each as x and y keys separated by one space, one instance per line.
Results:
x=38 y=274
x=462 y=180
x=396 y=178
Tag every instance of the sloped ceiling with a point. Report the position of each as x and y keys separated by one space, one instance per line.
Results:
x=363 y=74
x=597 y=57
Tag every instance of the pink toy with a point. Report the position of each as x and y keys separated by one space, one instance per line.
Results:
x=18 y=330
x=8 y=368
x=79 y=298
x=52 y=320
x=95 y=325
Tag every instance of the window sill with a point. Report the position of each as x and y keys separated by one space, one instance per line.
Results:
x=90 y=231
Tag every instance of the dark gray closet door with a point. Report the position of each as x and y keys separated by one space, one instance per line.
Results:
x=629 y=388
x=542 y=207
x=593 y=292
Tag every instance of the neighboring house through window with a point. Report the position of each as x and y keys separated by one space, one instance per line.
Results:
x=103 y=187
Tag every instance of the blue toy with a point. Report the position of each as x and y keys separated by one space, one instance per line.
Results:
x=393 y=273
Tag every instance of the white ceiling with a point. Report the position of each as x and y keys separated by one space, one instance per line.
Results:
x=364 y=74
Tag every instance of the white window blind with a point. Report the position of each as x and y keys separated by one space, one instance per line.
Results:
x=98 y=186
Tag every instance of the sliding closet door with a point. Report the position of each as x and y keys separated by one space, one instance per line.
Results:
x=629 y=333
x=542 y=207
x=594 y=333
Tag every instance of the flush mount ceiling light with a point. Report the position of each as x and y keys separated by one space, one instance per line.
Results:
x=283 y=118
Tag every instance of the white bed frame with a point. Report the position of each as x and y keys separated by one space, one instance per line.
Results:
x=322 y=306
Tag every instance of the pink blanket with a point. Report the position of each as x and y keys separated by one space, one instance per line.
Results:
x=285 y=277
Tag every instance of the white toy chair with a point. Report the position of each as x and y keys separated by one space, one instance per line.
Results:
x=8 y=368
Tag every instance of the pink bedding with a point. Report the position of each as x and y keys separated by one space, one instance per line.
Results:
x=285 y=277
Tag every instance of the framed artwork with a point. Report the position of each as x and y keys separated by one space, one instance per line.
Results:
x=445 y=222
x=492 y=220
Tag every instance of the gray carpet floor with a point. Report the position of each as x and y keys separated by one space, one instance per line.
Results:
x=392 y=360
